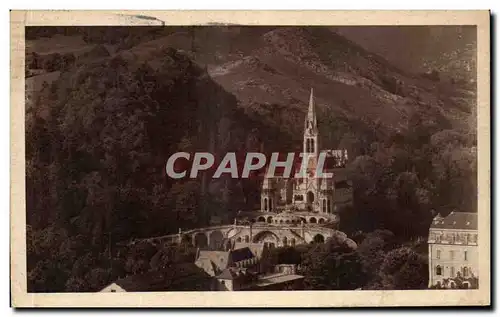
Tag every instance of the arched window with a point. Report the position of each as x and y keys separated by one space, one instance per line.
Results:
x=270 y=204
x=312 y=145
x=323 y=207
x=285 y=241
x=310 y=197
x=329 y=205
x=266 y=206
x=439 y=270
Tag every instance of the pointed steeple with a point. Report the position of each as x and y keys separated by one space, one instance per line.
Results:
x=310 y=128
x=311 y=113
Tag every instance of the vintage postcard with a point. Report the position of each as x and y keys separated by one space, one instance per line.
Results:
x=250 y=159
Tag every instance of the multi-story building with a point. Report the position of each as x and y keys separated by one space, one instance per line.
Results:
x=453 y=251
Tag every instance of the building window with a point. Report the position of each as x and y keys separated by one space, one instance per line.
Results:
x=452 y=271
x=438 y=254
x=324 y=205
x=474 y=238
x=270 y=204
x=452 y=255
x=438 y=237
x=465 y=271
x=465 y=255
x=113 y=291
x=329 y=206
x=265 y=204
x=438 y=270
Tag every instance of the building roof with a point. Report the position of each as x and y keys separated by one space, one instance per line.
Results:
x=238 y=255
x=186 y=276
x=278 y=278
x=223 y=259
x=256 y=248
x=456 y=220
x=207 y=265
x=219 y=258
x=232 y=273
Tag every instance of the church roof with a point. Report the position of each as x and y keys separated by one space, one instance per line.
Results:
x=456 y=220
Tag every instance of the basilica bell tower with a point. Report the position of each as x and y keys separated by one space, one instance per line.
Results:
x=311 y=146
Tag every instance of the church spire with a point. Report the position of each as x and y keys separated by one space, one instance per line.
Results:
x=310 y=129
x=311 y=114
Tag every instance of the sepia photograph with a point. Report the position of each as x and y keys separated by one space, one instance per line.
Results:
x=267 y=160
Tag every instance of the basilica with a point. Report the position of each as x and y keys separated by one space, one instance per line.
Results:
x=297 y=209
x=308 y=197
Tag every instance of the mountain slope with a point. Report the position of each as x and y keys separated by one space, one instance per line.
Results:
x=280 y=65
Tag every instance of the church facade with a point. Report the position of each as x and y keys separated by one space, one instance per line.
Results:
x=294 y=199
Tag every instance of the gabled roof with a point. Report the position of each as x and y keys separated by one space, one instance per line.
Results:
x=207 y=265
x=456 y=220
x=227 y=274
x=219 y=258
x=232 y=273
x=224 y=259
x=238 y=255
x=256 y=248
